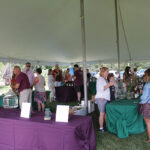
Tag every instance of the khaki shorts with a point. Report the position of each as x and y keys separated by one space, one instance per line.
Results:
x=25 y=96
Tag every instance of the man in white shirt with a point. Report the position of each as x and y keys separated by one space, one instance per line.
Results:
x=29 y=73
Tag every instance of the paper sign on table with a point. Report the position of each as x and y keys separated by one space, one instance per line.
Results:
x=62 y=113
x=26 y=110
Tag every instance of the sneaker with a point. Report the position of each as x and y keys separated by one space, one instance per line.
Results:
x=101 y=130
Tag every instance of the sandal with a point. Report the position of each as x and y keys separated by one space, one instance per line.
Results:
x=147 y=141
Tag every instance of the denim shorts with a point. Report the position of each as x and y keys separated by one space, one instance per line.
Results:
x=101 y=104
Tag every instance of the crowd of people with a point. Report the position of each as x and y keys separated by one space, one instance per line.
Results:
x=23 y=82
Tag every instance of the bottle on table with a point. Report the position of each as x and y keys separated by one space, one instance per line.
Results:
x=47 y=114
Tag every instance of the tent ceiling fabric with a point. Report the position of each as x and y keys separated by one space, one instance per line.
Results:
x=50 y=30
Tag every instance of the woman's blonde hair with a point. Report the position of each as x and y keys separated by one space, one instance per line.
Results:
x=147 y=75
x=102 y=70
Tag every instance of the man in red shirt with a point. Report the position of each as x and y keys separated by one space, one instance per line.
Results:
x=23 y=86
x=57 y=74
x=78 y=81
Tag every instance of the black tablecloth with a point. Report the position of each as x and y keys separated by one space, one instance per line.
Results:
x=65 y=94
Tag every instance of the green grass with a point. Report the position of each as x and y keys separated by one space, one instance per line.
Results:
x=107 y=141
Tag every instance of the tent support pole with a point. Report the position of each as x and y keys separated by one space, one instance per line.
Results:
x=84 y=52
x=117 y=34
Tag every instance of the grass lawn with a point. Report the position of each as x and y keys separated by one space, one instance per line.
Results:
x=105 y=141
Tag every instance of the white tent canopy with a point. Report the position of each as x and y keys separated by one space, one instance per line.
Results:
x=45 y=31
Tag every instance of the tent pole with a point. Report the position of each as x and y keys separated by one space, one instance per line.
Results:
x=84 y=52
x=117 y=34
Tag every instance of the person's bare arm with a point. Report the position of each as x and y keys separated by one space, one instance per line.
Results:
x=111 y=83
x=74 y=77
x=16 y=86
x=35 y=81
x=107 y=86
x=124 y=79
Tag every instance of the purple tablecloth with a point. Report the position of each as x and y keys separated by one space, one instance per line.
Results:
x=36 y=134
x=65 y=94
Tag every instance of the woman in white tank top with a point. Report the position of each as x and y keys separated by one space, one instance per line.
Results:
x=39 y=94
